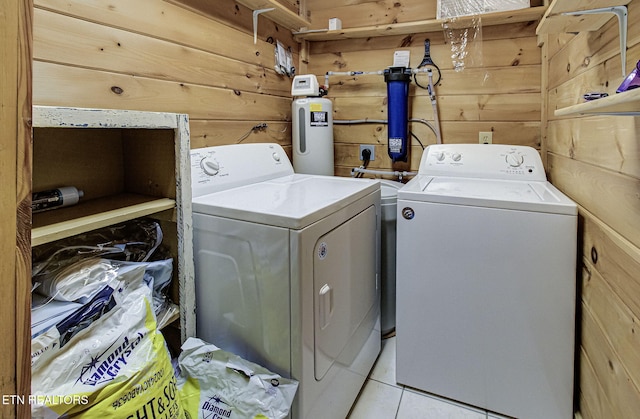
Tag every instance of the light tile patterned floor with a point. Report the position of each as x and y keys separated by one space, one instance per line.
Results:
x=382 y=398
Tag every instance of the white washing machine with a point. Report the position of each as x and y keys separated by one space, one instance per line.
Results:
x=287 y=272
x=486 y=270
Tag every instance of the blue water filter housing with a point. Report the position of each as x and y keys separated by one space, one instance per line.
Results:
x=398 y=79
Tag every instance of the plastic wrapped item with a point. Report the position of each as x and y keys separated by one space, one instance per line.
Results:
x=79 y=281
x=217 y=384
x=118 y=367
x=55 y=198
x=465 y=35
x=81 y=292
x=448 y=9
x=465 y=39
x=135 y=241
x=101 y=303
x=78 y=268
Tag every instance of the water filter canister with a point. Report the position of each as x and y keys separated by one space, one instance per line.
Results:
x=55 y=198
x=397 y=79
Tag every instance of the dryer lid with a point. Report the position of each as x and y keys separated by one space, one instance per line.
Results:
x=293 y=201
x=539 y=196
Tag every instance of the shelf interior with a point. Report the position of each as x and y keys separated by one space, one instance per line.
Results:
x=65 y=222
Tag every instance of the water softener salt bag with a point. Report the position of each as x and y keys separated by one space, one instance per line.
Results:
x=118 y=367
x=215 y=383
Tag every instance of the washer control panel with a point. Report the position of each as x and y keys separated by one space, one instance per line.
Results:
x=489 y=161
x=222 y=167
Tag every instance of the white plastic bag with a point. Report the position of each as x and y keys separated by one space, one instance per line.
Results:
x=117 y=367
x=215 y=383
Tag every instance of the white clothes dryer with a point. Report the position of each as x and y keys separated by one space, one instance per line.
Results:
x=287 y=272
x=486 y=270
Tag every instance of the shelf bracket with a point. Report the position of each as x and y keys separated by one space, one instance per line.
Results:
x=621 y=13
x=255 y=22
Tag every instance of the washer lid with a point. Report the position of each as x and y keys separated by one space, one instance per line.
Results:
x=539 y=196
x=293 y=201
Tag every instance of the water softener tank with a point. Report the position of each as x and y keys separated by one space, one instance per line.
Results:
x=312 y=125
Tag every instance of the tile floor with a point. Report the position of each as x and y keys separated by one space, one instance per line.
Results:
x=381 y=397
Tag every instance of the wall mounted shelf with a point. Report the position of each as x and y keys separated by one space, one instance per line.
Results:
x=625 y=103
x=424 y=26
x=554 y=21
x=280 y=14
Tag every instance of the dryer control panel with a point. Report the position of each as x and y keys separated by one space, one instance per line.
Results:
x=486 y=161
x=214 y=169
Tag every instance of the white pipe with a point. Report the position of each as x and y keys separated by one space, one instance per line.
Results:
x=359 y=121
x=383 y=121
x=382 y=172
x=364 y=73
x=348 y=73
x=436 y=119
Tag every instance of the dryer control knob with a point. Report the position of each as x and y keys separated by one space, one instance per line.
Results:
x=514 y=160
x=210 y=167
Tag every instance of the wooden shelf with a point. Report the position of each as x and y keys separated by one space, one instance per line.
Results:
x=434 y=25
x=280 y=15
x=625 y=103
x=554 y=21
x=130 y=164
x=65 y=222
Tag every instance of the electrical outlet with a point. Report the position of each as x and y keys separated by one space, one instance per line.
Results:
x=371 y=150
x=485 y=137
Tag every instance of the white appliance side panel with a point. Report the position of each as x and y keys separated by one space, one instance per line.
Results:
x=344 y=280
x=242 y=289
x=486 y=307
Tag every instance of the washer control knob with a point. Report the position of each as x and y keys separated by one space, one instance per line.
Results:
x=210 y=166
x=514 y=159
x=456 y=156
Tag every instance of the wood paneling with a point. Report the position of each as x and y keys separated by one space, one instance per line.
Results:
x=498 y=93
x=610 y=196
x=15 y=203
x=119 y=51
x=357 y=13
x=100 y=89
x=596 y=161
x=206 y=133
x=237 y=16
x=157 y=56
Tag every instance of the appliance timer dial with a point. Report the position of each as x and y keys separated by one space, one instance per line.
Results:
x=210 y=166
x=514 y=159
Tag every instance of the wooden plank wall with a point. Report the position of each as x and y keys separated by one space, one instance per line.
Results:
x=500 y=92
x=357 y=13
x=163 y=56
x=596 y=161
x=15 y=202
